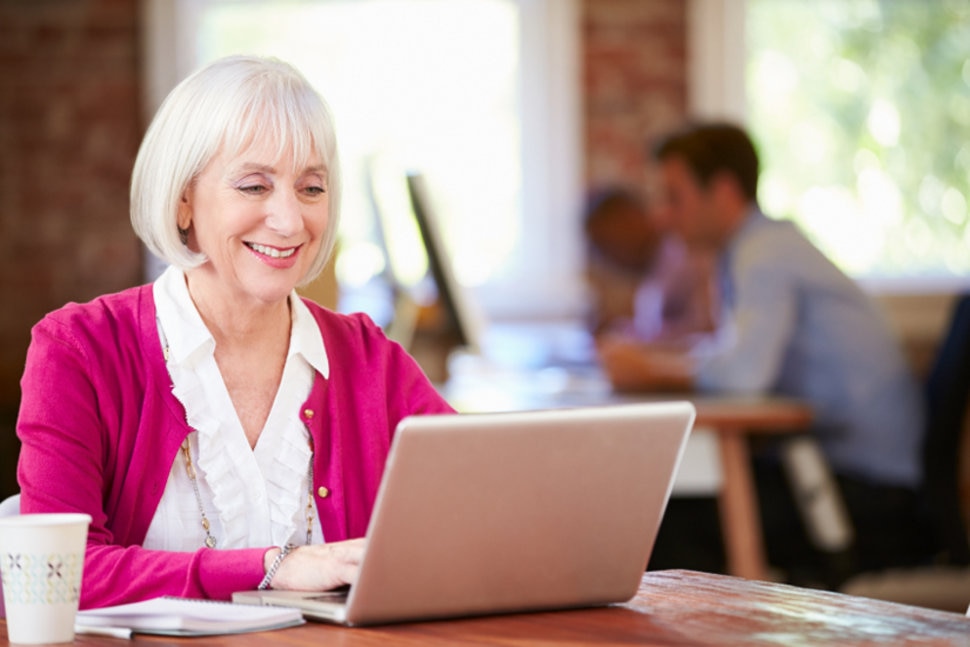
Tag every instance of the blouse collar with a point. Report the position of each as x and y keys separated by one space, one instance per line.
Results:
x=186 y=334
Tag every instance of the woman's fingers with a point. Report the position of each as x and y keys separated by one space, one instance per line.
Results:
x=320 y=568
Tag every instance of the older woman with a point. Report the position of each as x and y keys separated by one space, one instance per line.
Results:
x=223 y=433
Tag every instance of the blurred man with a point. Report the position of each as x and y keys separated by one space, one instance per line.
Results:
x=794 y=325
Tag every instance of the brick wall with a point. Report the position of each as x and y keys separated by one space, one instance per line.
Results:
x=69 y=130
x=635 y=83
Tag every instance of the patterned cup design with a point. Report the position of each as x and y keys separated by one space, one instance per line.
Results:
x=41 y=579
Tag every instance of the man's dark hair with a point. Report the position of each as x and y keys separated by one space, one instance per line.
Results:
x=710 y=149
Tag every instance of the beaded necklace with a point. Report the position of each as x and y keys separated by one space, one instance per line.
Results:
x=210 y=540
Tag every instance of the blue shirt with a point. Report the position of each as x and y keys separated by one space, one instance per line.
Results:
x=800 y=327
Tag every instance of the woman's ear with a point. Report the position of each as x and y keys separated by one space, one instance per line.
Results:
x=183 y=219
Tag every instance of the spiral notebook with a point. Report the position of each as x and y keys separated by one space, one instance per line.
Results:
x=172 y=616
x=510 y=512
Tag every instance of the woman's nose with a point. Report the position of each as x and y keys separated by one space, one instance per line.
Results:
x=284 y=214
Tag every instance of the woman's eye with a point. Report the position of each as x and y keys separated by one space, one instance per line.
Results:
x=254 y=189
x=315 y=190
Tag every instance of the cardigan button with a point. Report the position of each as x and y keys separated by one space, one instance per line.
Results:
x=308 y=413
x=323 y=492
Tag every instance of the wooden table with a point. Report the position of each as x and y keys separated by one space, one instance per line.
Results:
x=680 y=608
x=732 y=418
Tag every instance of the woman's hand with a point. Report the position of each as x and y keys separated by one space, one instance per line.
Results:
x=317 y=568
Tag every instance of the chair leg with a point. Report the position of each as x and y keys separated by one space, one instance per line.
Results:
x=817 y=495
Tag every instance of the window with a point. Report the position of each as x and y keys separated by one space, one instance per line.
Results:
x=865 y=124
x=862 y=112
x=861 y=109
x=458 y=90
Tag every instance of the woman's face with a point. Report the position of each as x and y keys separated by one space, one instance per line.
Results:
x=260 y=222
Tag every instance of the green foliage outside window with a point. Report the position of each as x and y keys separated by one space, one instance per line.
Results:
x=861 y=109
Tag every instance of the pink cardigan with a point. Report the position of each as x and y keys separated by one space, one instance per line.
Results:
x=100 y=429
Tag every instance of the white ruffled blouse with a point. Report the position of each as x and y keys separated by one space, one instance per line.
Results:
x=252 y=497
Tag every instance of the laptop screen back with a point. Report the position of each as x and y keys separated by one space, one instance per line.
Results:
x=489 y=513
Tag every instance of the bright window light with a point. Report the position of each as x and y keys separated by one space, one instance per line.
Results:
x=862 y=113
x=478 y=96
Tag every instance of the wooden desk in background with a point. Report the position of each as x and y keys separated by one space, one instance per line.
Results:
x=732 y=419
x=672 y=608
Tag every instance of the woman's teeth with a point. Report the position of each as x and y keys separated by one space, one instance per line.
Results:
x=272 y=251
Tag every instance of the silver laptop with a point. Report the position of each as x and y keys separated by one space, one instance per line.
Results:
x=509 y=512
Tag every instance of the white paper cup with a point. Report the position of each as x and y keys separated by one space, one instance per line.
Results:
x=41 y=559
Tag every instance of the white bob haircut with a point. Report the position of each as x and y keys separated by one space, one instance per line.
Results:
x=228 y=105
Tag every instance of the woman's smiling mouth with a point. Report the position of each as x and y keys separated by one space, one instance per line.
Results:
x=272 y=252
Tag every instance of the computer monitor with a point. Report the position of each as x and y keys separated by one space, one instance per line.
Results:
x=419 y=267
x=453 y=297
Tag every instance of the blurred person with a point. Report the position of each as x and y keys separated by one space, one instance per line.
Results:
x=643 y=281
x=796 y=326
x=223 y=433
